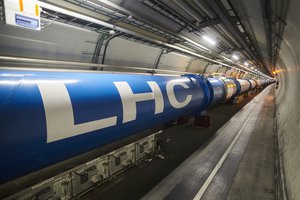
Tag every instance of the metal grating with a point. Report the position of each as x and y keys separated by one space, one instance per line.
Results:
x=64 y=18
x=165 y=10
x=59 y=17
x=49 y=14
x=114 y=15
x=172 y=39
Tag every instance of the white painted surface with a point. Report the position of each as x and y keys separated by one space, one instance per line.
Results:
x=212 y=68
x=174 y=61
x=253 y=84
x=128 y=53
x=59 y=114
x=129 y=99
x=245 y=85
x=198 y=66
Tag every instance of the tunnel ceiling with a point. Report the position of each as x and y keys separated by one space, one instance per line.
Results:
x=250 y=29
x=265 y=22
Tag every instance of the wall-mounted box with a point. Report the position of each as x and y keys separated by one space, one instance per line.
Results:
x=23 y=13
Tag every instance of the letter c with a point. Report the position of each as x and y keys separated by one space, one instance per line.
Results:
x=171 y=94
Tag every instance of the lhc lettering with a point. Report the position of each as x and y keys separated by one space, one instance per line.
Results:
x=60 y=118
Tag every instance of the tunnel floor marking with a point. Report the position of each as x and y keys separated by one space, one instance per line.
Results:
x=221 y=161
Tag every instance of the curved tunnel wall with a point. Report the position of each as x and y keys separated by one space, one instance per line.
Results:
x=287 y=101
x=56 y=43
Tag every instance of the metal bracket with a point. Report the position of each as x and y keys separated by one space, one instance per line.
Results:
x=209 y=22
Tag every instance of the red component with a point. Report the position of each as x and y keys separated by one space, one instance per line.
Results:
x=203 y=121
x=182 y=120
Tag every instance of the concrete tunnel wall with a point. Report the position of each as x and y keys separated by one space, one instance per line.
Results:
x=56 y=43
x=287 y=101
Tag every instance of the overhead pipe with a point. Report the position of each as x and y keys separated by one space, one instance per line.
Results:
x=221 y=10
x=279 y=40
x=206 y=58
x=267 y=16
x=206 y=8
x=116 y=28
x=222 y=29
x=183 y=5
x=112 y=5
x=278 y=18
x=195 y=43
x=63 y=65
x=131 y=15
x=234 y=11
x=226 y=38
x=188 y=24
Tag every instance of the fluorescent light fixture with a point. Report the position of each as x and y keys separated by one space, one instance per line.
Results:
x=102 y=23
x=235 y=57
x=209 y=40
x=246 y=64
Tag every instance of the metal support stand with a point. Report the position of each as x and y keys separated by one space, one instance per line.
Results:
x=157 y=60
x=98 y=47
x=187 y=69
x=106 y=45
x=206 y=67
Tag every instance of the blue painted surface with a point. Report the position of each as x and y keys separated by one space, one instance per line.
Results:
x=217 y=90
x=23 y=139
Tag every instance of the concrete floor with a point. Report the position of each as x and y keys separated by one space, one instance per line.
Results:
x=187 y=140
x=237 y=163
x=254 y=178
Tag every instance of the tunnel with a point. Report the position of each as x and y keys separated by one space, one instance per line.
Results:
x=149 y=99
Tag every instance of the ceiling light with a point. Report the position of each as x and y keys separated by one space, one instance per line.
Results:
x=235 y=57
x=252 y=67
x=246 y=64
x=112 y=32
x=209 y=40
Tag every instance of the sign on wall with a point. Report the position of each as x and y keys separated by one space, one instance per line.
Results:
x=23 y=13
